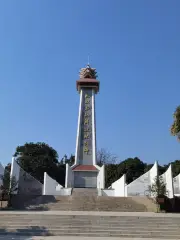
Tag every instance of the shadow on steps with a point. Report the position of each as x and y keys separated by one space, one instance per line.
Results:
x=32 y=202
x=171 y=205
x=26 y=232
x=82 y=202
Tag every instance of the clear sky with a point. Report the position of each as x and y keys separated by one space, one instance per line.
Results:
x=135 y=47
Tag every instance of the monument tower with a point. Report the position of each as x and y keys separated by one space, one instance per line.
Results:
x=85 y=172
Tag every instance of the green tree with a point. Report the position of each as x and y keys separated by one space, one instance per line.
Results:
x=175 y=128
x=37 y=158
x=132 y=167
x=162 y=169
x=9 y=185
x=110 y=174
x=63 y=160
x=175 y=167
x=147 y=167
x=61 y=171
x=71 y=160
x=158 y=188
x=66 y=160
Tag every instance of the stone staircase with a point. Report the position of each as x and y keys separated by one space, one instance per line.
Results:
x=92 y=203
x=88 y=225
x=76 y=192
x=80 y=201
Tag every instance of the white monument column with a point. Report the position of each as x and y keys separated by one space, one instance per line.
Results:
x=85 y=172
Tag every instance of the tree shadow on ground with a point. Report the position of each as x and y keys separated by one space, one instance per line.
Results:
x=31 y=202
x=23 y=233
x=171 y=205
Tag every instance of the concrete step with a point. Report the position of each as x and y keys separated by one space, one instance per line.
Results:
x=84 y=192
x=98 y=204
x=104 y=221
x=92 y=234
x=88 y=225
x=96 y=228
x=85 y=201
x=77 y=224
x=88 y=218
x=70 y=223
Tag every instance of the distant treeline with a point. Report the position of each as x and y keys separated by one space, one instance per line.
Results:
x=37 y=158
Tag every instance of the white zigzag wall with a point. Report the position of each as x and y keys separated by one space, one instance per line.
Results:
x=168 y=180
x=176 y=185
x=140 y=186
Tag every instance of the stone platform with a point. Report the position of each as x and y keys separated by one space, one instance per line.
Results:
x=109 y=225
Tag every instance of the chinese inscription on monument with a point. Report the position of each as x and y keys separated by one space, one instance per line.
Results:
x=87 y=116
x=86 y=128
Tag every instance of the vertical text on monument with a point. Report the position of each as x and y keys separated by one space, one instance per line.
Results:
x=86 y=128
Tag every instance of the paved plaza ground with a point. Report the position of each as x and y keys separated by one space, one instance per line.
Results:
x=74 y=238
x=89 y=213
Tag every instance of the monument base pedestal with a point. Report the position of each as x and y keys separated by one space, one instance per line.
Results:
x=85 y=176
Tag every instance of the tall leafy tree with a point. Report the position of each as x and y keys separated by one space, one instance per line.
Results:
x=70 y=160
x=9 y=185
x=37 y=158
x=62 y=168
x=175 y=167
x=132 y=167
x=175 y=128
x=111 y=174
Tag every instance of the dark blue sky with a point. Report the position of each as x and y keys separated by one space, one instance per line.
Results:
x=135 y=47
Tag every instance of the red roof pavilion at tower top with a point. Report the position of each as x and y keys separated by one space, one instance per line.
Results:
x=88 y=79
